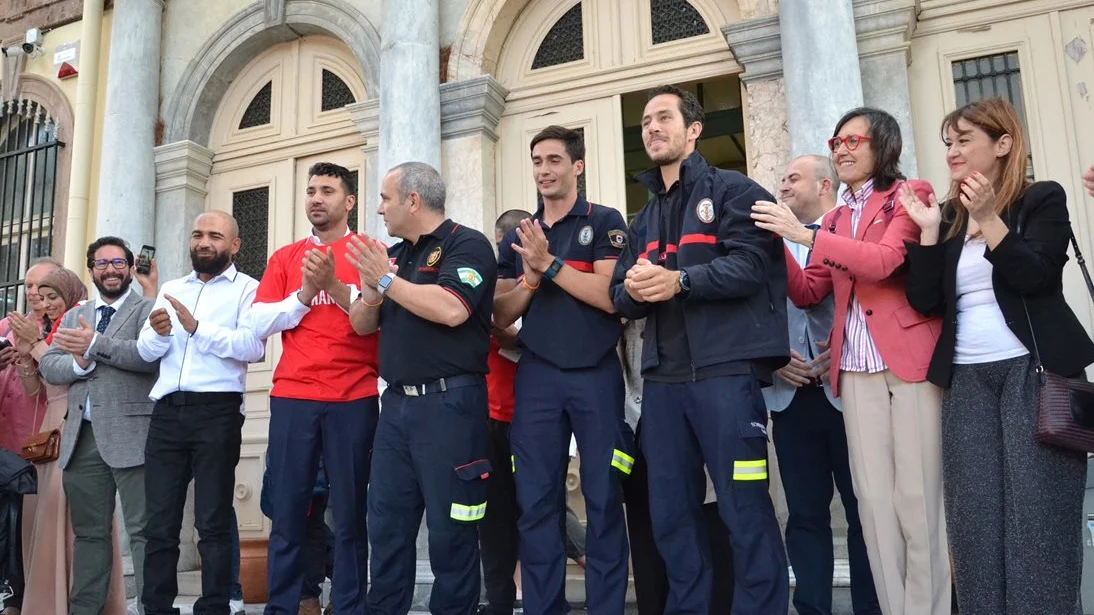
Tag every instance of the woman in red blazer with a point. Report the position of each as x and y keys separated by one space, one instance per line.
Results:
x=881 y=348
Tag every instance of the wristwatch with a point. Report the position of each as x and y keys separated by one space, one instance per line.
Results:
x=385 y=282
x=685 y=284
x=553 y=269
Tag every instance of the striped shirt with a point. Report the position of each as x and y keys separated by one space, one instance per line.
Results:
x=859 y=352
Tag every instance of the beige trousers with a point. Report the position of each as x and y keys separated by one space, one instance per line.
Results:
x=893 y=437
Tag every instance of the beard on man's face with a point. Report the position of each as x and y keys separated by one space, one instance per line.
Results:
x=209 y=262
x=115 y=291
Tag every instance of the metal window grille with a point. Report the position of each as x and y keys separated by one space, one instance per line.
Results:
x=336 y=94
x=565 y=42
x=994 y=76
x=251 y=209
x=673 y=20
x=259 y=111
x=29 y=150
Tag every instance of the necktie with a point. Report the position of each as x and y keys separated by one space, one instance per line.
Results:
x=812 y=227
x=104 y=320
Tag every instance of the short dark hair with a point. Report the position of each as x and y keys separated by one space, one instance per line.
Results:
x=329 y=169
x=572 y=139
x=510 y=220
x=885 y=141
x=689 y=104
x=109 y=240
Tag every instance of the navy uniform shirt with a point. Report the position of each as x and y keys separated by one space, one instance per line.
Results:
x=416 y=351
x=567 y=332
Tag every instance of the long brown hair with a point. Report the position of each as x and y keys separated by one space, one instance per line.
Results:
x=996 y=117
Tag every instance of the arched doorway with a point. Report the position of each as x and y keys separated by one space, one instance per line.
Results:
x=282 y=114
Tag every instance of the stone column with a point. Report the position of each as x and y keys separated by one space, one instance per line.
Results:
x=127 y=175
x=182 y=173
x=366 y=115
x=821 y=70
x=470 y=112
x=884 y=29
x=410 y=108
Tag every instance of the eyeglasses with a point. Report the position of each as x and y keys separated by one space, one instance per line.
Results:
x=852 y=142
x=116 y=263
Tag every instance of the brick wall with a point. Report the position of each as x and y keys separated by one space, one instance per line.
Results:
x=17 y=16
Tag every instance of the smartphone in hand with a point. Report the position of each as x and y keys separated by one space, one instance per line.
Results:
x=144 y=261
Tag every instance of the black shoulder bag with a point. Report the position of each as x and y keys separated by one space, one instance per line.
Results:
x=1065 y=406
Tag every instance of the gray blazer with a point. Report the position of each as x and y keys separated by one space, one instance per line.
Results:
x=118 y=386
x=807 y=327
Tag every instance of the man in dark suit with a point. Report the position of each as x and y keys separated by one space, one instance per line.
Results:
x=809 y=436
x=102 y=447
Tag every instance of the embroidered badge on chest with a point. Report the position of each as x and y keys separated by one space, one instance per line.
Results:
x=705 y=211
x=585 y=237
x=434 y=257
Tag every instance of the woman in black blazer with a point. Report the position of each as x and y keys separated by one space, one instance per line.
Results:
x=1013 y=507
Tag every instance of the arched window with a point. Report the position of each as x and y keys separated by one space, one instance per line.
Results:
x=565 y=42
x=673 y=20
x=336 y=94
x=258 y=112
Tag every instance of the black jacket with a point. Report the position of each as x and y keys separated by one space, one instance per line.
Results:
x=1030 y=265
x=736 y=309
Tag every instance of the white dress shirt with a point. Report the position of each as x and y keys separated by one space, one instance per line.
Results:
x=214 y=359
x=80 y=371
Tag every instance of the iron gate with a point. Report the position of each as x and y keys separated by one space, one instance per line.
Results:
x=29 y=149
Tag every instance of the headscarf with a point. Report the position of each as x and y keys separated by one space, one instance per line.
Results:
x=67 y=284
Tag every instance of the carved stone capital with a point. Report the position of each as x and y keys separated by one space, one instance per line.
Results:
x=757 y=45
x=884 y=26
x=472 y=107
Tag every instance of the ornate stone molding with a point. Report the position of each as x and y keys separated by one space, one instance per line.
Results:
x=472 y=107
x=884 y=27
x=366 y=116
x=757 y=45
x=183 y=165
x=275 y=12
x=190 y=109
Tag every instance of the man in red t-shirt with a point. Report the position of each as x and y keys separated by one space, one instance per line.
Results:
x=324 y=398
x=498 y=537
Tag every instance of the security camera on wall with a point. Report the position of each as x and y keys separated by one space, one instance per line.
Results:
x=30 y=47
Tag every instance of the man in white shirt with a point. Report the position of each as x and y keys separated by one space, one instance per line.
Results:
x=195 y=331
x=94 y=353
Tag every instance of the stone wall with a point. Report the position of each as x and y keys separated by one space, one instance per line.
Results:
x=18 y=16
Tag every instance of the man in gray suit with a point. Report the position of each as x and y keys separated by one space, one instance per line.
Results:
x=808 y=429
x=102 y=446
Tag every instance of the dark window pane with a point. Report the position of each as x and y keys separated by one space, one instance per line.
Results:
x=258 y=113
x=565 y=41
x=996 y=75
x=251 y=209
x=336 y=94
x=673 y=20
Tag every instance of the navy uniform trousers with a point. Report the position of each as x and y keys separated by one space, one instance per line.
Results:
x=550 y=405
x=722 y=422
x=429 y=456
x=301 y=430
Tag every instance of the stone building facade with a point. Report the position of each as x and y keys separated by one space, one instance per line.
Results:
x=183 y=106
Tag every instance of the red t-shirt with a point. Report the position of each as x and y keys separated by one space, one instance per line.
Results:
x=323 y=358
x=499 y=384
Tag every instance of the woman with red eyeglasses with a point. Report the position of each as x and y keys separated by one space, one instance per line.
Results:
x=881 y=348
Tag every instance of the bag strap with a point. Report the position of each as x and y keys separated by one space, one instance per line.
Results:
x=1037 y=364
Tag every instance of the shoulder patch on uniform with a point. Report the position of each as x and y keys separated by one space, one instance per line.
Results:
x=585 y=237
x=705 y=211
x=434 y=256
x=617 y=238
x=469 y=276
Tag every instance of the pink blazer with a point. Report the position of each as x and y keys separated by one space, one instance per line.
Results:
x=871 y=266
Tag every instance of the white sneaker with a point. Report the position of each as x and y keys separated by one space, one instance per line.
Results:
x=237 y=607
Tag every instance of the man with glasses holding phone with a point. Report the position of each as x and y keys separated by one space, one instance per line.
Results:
x=94 y=352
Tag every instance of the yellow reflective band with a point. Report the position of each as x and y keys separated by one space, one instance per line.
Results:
x=750 y=470
x=622 y=461
x=461 y=512
x=513 y=460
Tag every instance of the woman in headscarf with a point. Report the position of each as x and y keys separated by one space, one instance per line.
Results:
x=47 y=531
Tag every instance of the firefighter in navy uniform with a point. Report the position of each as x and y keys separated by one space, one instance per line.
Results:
x=713 y=291
x=433 y=301
x=569 y=380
